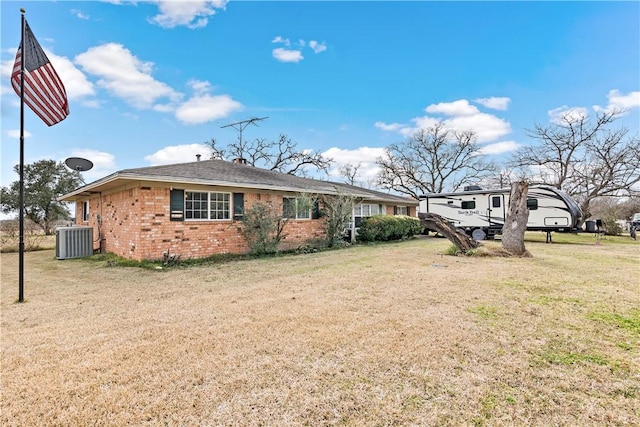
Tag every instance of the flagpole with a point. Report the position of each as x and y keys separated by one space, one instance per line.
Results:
x=21 y=171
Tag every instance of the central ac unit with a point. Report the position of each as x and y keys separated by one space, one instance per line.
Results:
x=74 y=242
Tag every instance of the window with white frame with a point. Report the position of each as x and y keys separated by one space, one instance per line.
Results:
x=296 y=208
x=207 y=205
x=85 y=211
x=364 y=209
x=401 y=210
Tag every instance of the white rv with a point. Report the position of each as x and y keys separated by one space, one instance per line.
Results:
x=481 y=213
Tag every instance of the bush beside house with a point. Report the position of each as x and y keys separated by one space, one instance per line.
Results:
x=384 y=228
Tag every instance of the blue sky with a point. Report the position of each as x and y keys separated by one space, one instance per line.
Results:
x=150 y=82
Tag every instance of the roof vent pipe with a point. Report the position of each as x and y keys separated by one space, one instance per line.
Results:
x=198 y=156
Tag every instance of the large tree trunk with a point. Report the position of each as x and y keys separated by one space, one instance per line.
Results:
x=515 y=223
x=458 y=237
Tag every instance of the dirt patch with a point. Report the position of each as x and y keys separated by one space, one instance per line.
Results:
x=394 y=334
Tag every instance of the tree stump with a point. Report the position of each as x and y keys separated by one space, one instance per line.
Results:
x=515 y=223
x=435 y=222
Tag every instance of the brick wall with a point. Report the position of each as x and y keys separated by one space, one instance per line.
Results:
x=134 y=223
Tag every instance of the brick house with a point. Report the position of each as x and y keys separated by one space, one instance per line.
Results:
x=195 y=209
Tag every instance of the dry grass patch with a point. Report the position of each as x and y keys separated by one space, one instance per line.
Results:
x=34 y=240
x=394 y=334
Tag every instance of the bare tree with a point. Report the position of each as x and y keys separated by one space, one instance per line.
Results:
x=433 y=160
x=217 y=153
x=583 y=157
x=349 y=172
x=281 y=155
x=501 y=179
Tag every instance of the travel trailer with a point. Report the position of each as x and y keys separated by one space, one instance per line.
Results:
x=481 y=213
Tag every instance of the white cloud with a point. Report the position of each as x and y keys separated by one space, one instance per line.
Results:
x=6 y=90
x=460 y=107
x=563 y=114
x=200 y=86
x=124 y=75
x=461 y=116
x=499 y=147
x=192 y=14
x=495 y=102
x=15 y=133
x=100 y=159
x=204 y=108
x=487 y=127
x=103 y=163
x=317 y=47
x=78 y=13
x=284 y=41
x=6 y=66
x=364 y=156
x=287 y=55
x=294 y=55
x=178 y=154
x=390 y=127
x=618 y=101
x=160 y=108
x=630 y=100
x=424 y=122
x=75 y=81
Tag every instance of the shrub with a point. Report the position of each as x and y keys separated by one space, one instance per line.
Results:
x=337 y=213
x=10 y=238
x=385 y=227
x=611 y=226
x=452 y=250
x=263 y=228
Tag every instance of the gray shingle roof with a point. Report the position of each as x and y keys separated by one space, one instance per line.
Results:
x=223 y=173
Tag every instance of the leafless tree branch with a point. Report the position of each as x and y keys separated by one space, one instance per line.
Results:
x=584 y=157
x=433 y=160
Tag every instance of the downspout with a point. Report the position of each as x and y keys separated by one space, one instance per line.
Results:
x=99 y=224
x=353 y=226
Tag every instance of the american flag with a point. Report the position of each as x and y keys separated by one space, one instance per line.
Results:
x=44 y=92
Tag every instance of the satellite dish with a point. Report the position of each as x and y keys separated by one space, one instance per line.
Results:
x=78 y=164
